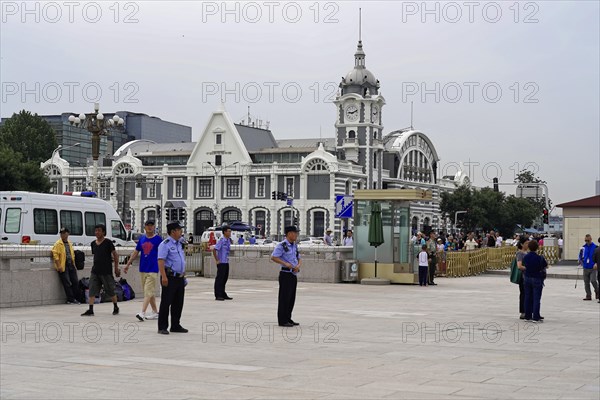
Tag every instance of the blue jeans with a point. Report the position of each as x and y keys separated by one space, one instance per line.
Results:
x=422 y=276
x=533 y=297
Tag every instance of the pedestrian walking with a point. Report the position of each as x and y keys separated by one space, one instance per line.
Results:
x=101 y=275
x=348 y=240
x=596 y=259
x=221 y=255
x=327 y=238
x=148 y=246
x=64 y=263
x=590 y=274
x=287 y=256
x=423 y=265
x=432 y=251
x=171 y=265
x=522 y=250
x=560 y=247
x=533 y=267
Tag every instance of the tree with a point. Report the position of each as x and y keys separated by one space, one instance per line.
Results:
x=18 y=174
x=487 y=209
x=527 y=176
x=28 y=135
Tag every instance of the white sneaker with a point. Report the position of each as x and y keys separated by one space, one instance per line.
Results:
x=140 y=316
x=152 y=316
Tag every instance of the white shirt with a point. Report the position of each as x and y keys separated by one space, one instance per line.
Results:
x=348 y=241
x=560 y=242
x=471 y=244
x=499 y=241
x=423 y=259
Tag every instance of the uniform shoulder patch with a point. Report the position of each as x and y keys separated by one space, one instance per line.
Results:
x=166 y=241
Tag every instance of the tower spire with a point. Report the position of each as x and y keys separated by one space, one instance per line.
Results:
x=359 y=56
x=359 y=25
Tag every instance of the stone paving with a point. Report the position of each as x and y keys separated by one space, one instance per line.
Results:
x=460 y=339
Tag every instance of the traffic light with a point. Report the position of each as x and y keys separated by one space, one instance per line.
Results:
x=168 y=214
x=295 y=221
x=274 y=195
x=496 y=185
x=182 y=214
x=545 y=218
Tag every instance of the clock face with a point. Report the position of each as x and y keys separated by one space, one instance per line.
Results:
x=374 y=113
x=352 y=112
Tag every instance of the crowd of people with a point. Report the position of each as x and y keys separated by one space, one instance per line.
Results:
x=475 y=240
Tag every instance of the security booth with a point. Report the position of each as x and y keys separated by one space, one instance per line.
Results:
x=394 y=258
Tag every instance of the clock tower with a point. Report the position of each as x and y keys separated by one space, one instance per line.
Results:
x=358 y=120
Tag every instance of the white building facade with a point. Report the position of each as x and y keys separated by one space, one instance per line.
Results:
x=233 y=169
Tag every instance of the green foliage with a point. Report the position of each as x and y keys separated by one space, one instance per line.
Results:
x=526 y=176
x=18 y=174
x=487 y=209
x=28 y=135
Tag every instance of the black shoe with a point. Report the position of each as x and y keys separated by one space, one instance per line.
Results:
x=294 y=323
x=228 y=298
x=163 y=331
x=220 y=299
x=522 y=316
x=88 y=313
x=287 y=325
x=180 y=329
x=541 y=317
x=433 y=284
x=115 y=310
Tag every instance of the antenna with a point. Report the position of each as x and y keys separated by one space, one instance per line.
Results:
x=411 y=115
x=359 y=24
x=248 y=115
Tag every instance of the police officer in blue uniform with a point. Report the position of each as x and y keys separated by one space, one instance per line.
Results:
x=171 y=265
x=287 y=256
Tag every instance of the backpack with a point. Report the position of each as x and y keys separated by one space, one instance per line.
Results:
x=79 y=259
x=128 y=293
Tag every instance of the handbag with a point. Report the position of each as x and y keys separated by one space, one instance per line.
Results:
x=515 y=272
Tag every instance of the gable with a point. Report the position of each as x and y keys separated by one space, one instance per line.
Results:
x=231 y=149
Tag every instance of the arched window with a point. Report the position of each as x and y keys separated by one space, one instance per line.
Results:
x=231 y=216
x=351 y=135
x=52 y=170
x=316 y=164
x=124 y=169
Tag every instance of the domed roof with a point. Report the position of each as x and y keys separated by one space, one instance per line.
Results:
x=359 y=76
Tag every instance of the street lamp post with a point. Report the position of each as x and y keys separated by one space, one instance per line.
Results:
x=98 y=126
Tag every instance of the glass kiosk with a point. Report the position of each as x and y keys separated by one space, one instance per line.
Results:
x=396 y=256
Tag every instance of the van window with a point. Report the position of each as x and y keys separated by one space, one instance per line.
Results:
x=91 y=220
x=12 y=221
x=73 y=221
x=45 y=222
x=117 y=229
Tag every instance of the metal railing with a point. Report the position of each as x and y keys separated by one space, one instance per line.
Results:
x=475 y=262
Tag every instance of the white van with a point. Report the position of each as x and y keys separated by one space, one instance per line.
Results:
x=235 y=235
x=28 y=216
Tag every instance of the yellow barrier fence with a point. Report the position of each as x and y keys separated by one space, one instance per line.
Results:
x=550 y=253
x=475 y=262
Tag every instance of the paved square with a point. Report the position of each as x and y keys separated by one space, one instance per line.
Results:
x=461 y=339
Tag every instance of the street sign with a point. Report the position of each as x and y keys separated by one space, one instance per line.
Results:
x=290 y=201
x=343 y=206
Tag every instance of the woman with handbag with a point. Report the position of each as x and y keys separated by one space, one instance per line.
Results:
x=516 y=274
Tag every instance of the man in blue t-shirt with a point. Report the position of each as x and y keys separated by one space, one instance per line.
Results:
x=148 y=246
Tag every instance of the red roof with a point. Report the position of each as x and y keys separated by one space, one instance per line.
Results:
x=593 y=201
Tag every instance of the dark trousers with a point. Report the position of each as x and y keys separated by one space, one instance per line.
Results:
x=422 y=275
x=171 y=298
x=432 y=265
x=70 y=283
x=221 y=280
x=521 y=296
x=533 y=297
x=287 y=296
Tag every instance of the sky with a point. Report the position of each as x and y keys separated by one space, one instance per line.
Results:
x=497 y=86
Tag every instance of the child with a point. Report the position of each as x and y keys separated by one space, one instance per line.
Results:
x=423 y=265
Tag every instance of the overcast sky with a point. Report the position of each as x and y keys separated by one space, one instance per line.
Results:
x=503 y=85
